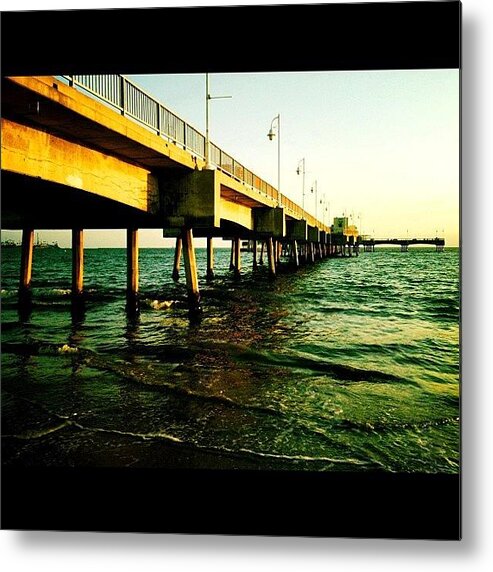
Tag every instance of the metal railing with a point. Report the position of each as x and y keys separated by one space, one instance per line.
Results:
x=131 y=101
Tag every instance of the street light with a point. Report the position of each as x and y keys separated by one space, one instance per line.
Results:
x=315 y=189
x=323 y=202
x=302 y=162
x=208 y=97
x=271 y=136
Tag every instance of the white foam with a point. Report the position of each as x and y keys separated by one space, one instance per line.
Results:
x=66 y=349
x=161 y=304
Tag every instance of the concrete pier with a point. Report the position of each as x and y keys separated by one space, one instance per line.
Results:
x=138 y=178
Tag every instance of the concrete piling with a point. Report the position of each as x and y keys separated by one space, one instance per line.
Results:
x=77 y=262
x=271 y=257
x=210 y=259
x=26 y=261
x=237 y=257
x=296 y=259
x=191 y=270
x=176 y=264
x=132 y=270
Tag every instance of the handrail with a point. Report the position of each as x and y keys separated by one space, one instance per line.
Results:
x=133 y=102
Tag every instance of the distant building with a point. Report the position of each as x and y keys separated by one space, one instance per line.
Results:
x=341 y=226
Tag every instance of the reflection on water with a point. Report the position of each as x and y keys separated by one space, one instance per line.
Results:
x=346 y=365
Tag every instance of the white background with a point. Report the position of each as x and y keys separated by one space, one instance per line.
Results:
x=51 y=551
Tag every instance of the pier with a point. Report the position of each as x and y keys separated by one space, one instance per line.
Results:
x=97 y=152
x=404 y=243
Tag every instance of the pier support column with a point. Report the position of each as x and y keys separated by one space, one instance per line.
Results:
x=311 y=255
x=176 y=263
x=232 y=256
x=210 y=259
x=271 y=257
x=237 y=257
x=255 y=266
x=261 y=257
x=296 y=259
x=132 y=270
x=191 y=270
x=77 y=262
x=26 y=262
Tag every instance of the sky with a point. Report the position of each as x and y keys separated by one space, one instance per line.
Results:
x=381 y=147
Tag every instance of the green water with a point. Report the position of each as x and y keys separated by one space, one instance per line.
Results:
x=347 y=365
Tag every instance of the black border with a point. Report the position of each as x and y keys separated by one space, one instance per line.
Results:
x=375 y=505
x=380 y=35
x=393 y=35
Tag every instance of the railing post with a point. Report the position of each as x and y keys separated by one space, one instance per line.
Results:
x=122 y=94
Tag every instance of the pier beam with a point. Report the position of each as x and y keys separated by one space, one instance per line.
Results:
x=77 y=262
x=271 y=257
x=26 y=262
x=132 y=270
x=255 y=266
x=210 y=258
x=176 y=263
x=191 y=270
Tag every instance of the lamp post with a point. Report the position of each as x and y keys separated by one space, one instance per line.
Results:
x=208 y=97
x=271 y=136
x=314 y=189
x=323 y=202
x=302 y=162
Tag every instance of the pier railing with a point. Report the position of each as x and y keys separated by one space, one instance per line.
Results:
x=132 y=101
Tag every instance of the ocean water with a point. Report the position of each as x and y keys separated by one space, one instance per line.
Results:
x=346 y=365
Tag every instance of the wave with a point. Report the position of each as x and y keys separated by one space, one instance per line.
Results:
x=377 y=426
x=160 y=304
x=38 y=348
x=240 y=451
x=341 y=372
x=38 y=434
